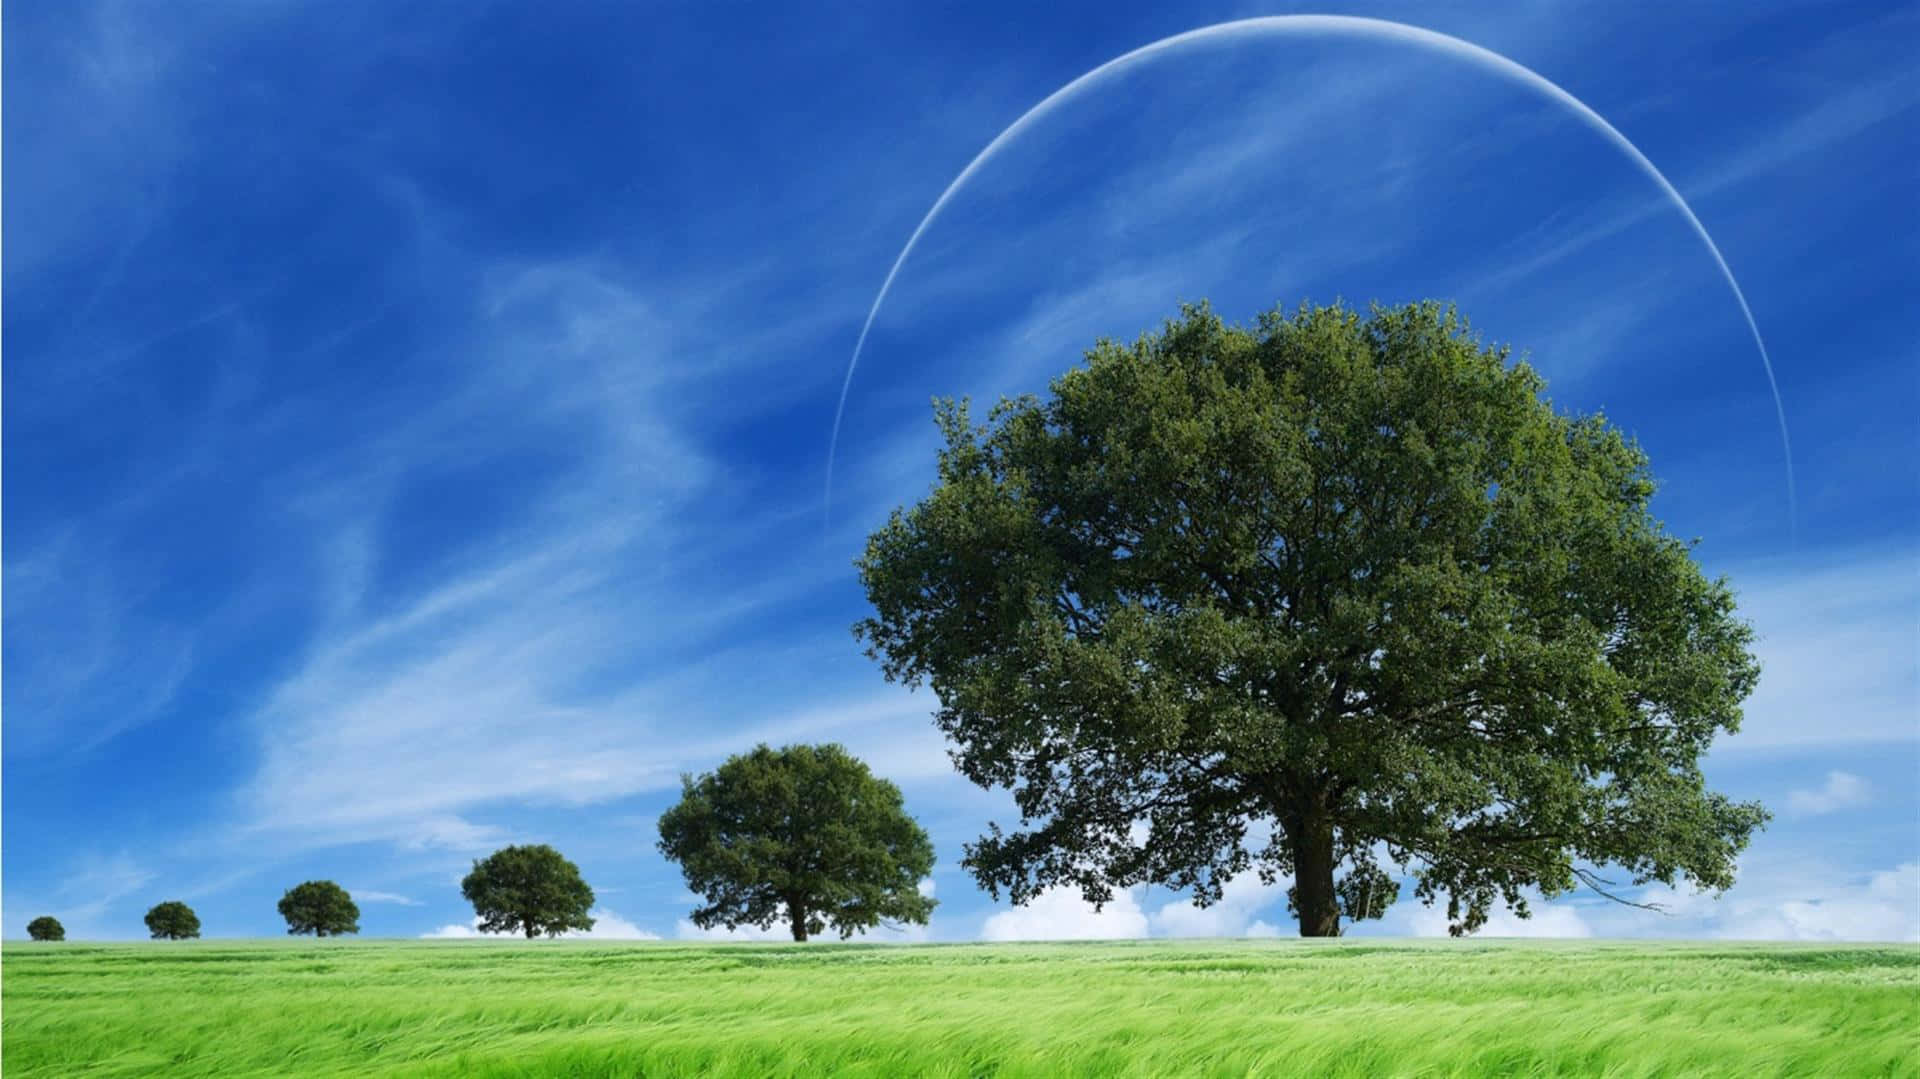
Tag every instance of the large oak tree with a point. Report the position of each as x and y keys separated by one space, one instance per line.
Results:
x=1326 y=591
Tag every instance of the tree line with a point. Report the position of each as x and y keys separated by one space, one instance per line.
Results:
x=1311 y=598
x=806 y=836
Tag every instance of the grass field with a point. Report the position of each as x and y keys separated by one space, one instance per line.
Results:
x=1288 y=1007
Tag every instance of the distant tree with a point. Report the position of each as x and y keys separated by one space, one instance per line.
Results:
x=172 y=920
x=528 y=889
x=320 y=907
x=1277 y=598
x=805 y=835
x=46 y=927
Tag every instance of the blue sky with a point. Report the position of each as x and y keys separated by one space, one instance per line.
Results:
x=415 y=422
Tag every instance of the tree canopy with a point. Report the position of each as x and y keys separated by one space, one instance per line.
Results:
x=172 y=920
x=806 y=835
x=528 y=889
x=46 y=927
x=1327 y=590
x=320 y=907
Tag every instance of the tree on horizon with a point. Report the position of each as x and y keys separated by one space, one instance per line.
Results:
x=805 y=835
x=172 y=920
x=530 y=889
x=1328 y=591
x=320 y=907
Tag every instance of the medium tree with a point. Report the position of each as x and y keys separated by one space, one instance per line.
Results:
x=1279 y=597
x=531 y=890
x=172 y=920
x=320 y=907
x=46 y=927
x=805 y=835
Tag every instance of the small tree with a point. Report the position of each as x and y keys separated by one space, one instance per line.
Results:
x=530 y=889
x=805 y=834
x=1277 y=598
x=320 y=907
x=172 y=920
x=46 y=927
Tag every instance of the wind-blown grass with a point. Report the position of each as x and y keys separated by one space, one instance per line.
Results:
x=1148 y=1008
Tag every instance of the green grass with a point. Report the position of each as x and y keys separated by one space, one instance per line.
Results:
x=1217 y=1008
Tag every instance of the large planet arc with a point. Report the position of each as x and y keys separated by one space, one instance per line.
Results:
x=1339 y=26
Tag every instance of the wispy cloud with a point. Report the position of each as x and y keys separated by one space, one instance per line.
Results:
x=91 y=887
x=79 y=646
x=1838 y=664
x=371 y=895
x=1850 y=113
x=527 y=658
x=117 y=142
x=450 y=832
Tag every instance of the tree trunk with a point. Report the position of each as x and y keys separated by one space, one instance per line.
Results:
x=531 y=929
x=1311 y=835
x=798 y=916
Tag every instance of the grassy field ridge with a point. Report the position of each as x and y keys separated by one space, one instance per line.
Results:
x=1146 y=1008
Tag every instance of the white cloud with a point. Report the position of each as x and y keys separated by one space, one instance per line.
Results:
x=1783 y=898
x=461 y=932
x=1806 y=900
x=1242 y=898
x=370 y=895
x=1843 y=790
x=926 y=887
x=1887 y=908
x=452 y=833
x=607 y=925
x=610 y=926
x=1263 y=929
x=1061 y=914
